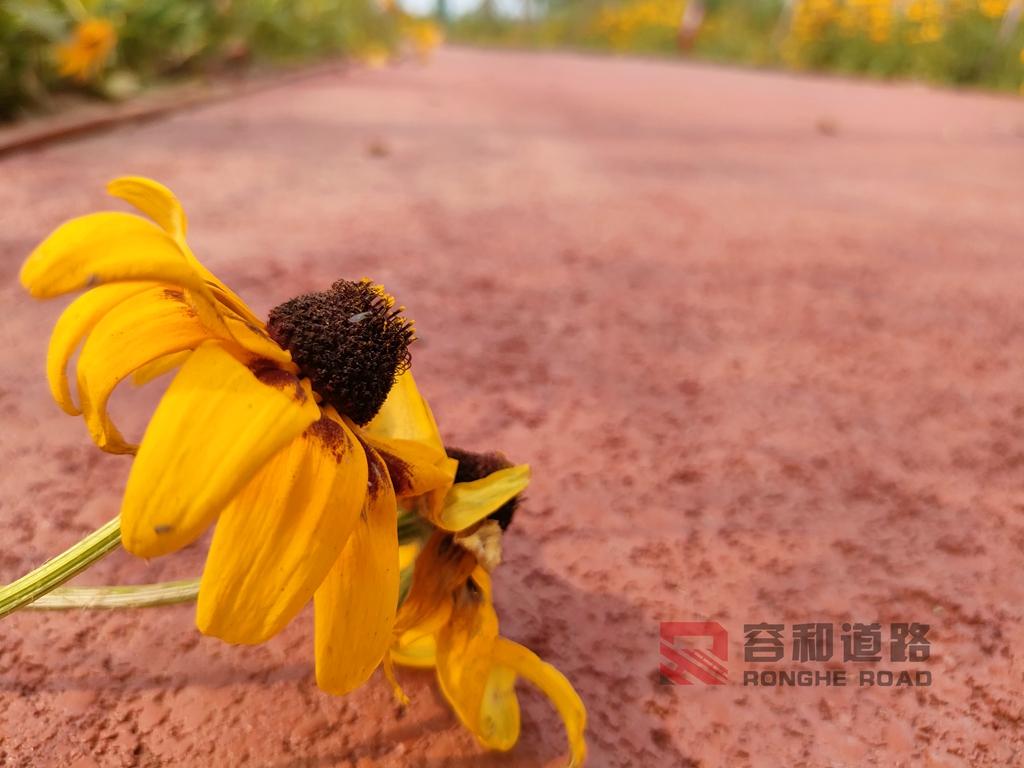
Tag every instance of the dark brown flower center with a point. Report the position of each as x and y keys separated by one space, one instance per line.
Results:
x=349 y=341
x=475 y=466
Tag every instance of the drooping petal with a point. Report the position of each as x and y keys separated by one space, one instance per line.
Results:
x=413 y=466
x=153 y=199
x=357 y=603
x=145 y=327
x=160 y=204
x=431 y=504
x=389 y=672
x=111 y=247
x=405 y=415
x=160 y=366
x=407 y=554
x=277 y=539
x=73 y=326
x=217 y=424
x=468 y=503
x=253 y=337
x=441 y=568
x=420 y=653
x=555 y=686
x=499 y=710
x=484 y=541
x=464 y=654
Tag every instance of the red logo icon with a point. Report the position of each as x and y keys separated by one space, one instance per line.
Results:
x=699 y=659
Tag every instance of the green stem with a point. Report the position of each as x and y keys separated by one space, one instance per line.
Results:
x=52 y=574
x=41 y=590
x=142 y=596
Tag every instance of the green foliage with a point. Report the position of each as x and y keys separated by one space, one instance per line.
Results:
x=26 y=32
x=160 y=38
x=739 y=31
x=755 y=32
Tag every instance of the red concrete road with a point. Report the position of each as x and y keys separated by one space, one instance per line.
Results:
x=763 y=372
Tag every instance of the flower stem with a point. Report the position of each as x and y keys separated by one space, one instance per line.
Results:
x=53 y=573
x=40 y=590
x=141 y=596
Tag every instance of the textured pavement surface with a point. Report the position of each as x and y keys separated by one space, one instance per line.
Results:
x=759 y=335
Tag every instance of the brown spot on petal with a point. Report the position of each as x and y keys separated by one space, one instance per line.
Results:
x=400 y=473
x=178 y=296
x=377 y=475
x=268 y=373
x=333 y=436
x=469 y=594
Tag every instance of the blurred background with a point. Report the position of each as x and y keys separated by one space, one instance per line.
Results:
x=757 y=330
x=113 y=49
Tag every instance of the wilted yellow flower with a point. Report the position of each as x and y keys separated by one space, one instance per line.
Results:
x=448 y=621
x=264 y=427
x=84 y=55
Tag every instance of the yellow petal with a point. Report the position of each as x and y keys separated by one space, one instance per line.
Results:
x=154 y=200
x=111 y=247
x=498 y=724
x=405 y=415
x=276 y=541
x=499 y=710
x=160 y=204
x=464 y=651
x=356 y=605
x=555 y=686
x=389 y=673
x=142 y=328
x=468 y=503
x=407 y=554
x=215 y=427
x=73 y=326
x=159 y=367
x=441 y=569
x=253 y=337
x=101 y=248
x=225 y=296
x=431 y=504
x=411 y=465
x=420 y=653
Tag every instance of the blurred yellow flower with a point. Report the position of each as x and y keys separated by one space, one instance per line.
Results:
x=621 y=23
x=994 y=9
x=812 y=18
x=264 y=428
x=84 y=55
x=929 y=16
x=424 y=35
x=375 y=55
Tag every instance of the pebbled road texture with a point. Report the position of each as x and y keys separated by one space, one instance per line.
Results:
x=759 y=335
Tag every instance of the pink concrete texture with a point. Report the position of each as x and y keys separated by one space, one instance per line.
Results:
x=759 y=335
